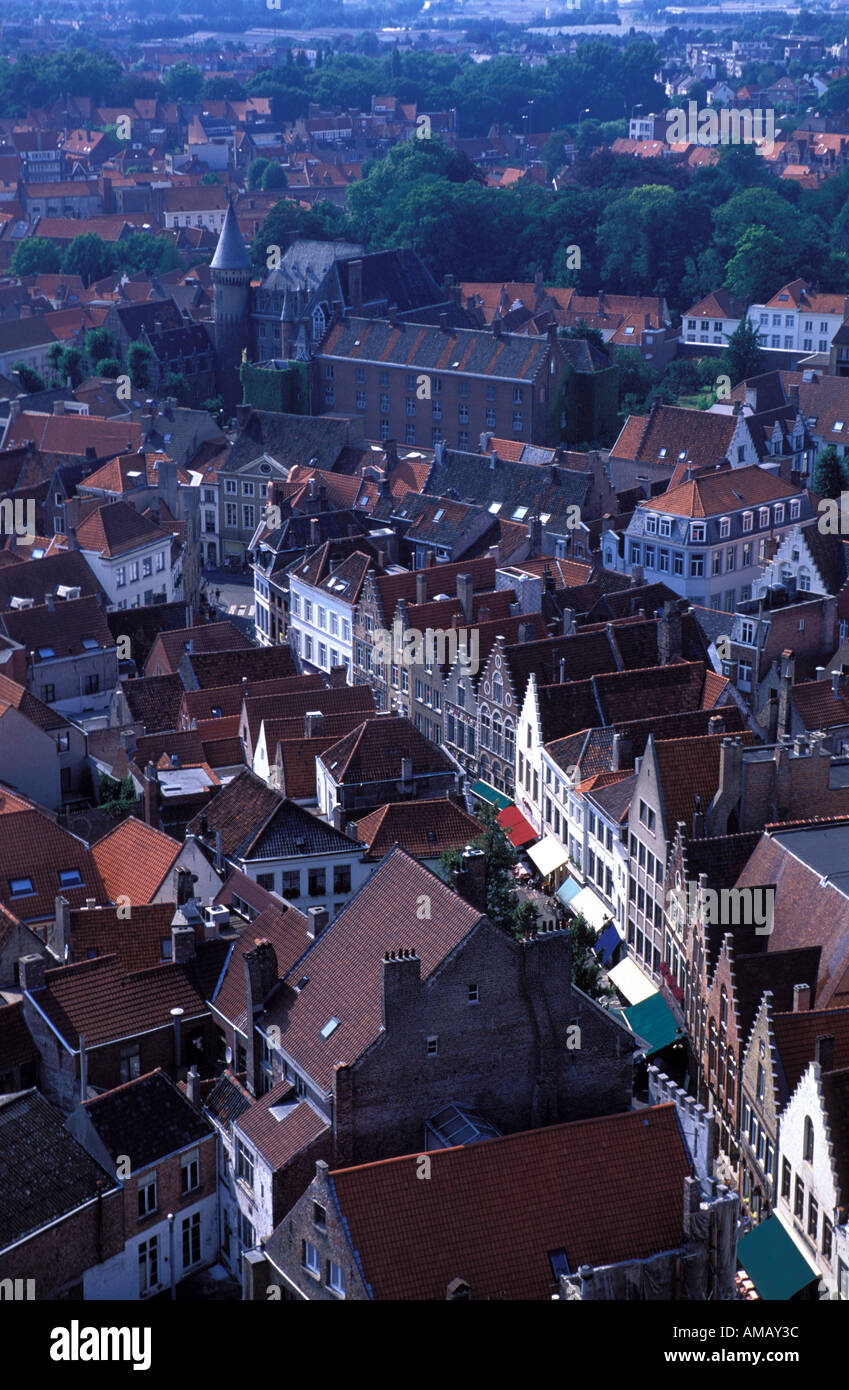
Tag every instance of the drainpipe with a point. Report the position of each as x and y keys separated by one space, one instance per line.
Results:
x=171 y=1254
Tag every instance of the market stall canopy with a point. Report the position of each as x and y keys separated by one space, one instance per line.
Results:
x=548 y=855
x=631 y=982
x=517 y=827
x=773 y=1261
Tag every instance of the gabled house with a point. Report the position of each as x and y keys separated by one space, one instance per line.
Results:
x=386 y=757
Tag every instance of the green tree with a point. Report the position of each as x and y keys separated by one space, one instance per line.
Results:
x=210 y=178
x=182 y=82
x=760 y=261
x=101 y=343
x=109 y=367
x=742 y=357
x=35 y=256
x=90 y=257
x=503 y=905
x=274 y=178
x=582 y=330
x=829 y=476
x=30 y=379
x=72 y=365
x=140 y=365
x=256 y=169
x=586 y=971
x=142 y=253
x=175 y=384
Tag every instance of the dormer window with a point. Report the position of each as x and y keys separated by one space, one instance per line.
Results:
x=748 y=520
x=724 y=528
x=665 y=526
x=651 y=524
x=779 y=514
x=763 y=516
x=697 y=530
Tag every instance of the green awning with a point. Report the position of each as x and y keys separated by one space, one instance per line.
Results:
x=653 y=1021
x=773 y=1261
x=488 y=793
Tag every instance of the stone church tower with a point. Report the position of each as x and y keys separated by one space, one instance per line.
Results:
x=231 y=275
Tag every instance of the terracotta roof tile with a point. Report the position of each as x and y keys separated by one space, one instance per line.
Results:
x=134 y=859
x=423 y=828
x=494 y=1212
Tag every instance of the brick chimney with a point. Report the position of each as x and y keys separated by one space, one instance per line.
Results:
x=31 y=973
x=669 y=635
x=421 y=587
x=260 y=965
x=318 y=919
x=182 y=942
x=400 y=983
x=469 y=879
x=313 y=723
x=465 y=591
x=801 y=998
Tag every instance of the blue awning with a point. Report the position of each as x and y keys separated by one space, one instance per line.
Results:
x=607 y=943
x=568 y=890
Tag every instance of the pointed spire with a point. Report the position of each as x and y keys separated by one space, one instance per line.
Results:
x=231 y=252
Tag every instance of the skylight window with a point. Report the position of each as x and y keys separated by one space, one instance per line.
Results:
x=838 y=425
x=682 y=455
x=662 y=454
x=520 y=513
x=545 y=517
x=90 y=643
x=495 y=507
x=437 y=516
x=330 y=1027
x=38 y=553
x=46 y=652
x=20 y=887
x=70 y=878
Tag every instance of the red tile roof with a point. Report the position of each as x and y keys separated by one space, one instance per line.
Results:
x=134 y=859
x=493 y=1212
x=423 y=828
x=796 y=1035
x=33 y=846
x=279 y=1126
x=114 y=527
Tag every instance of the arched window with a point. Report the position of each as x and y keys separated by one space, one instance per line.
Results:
x=723 y=1010
x=808 y=1153
x=497 y=690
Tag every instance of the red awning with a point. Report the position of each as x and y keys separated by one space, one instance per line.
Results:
x=518 y=829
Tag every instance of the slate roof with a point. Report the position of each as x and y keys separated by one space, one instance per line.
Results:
x=470 y=477
x=423 y=828
x=373 y=752
x=807 y=913
x=45 y=1173
x=290 y=439
x=147 y=1119
x=511 y=356
x=493 y=1213
x=133 y=860
x=291 y=831
x=344 y=964
x=227 y=1100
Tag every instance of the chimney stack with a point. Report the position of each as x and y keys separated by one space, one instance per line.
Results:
x=313 y=723
x=176 y=1015
x=465 y=591
x=801 y=998
x=421 y=588
x=193 y=1086
x=406 y=786
x=31 y=973
x=318 y=919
